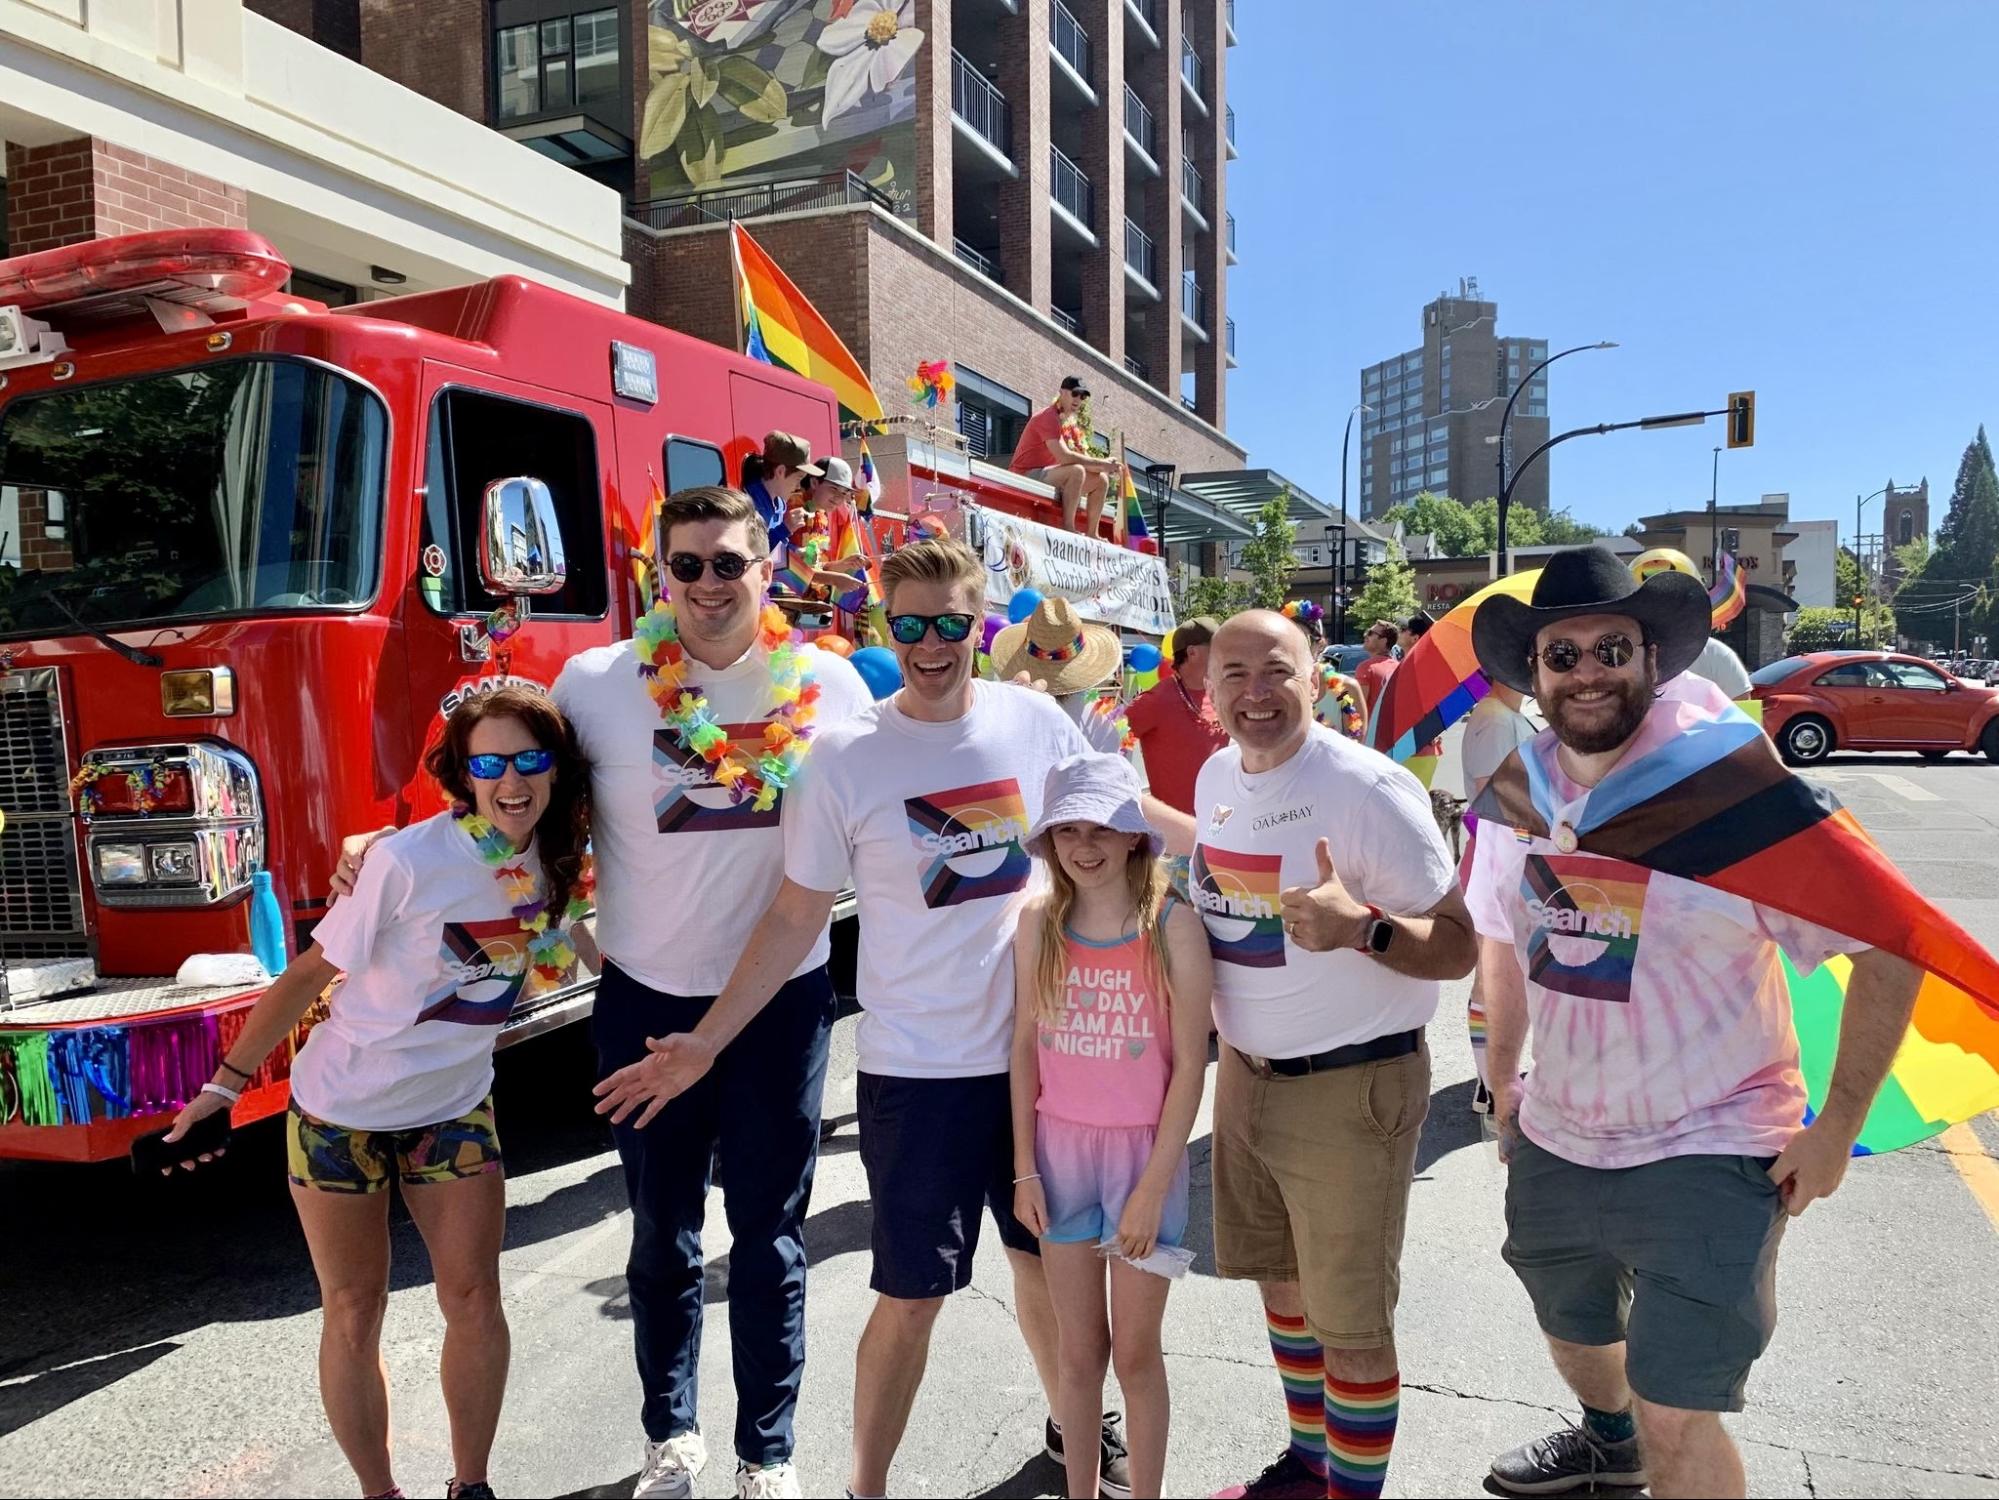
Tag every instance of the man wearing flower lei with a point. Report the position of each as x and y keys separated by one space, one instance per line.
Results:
x=924 y=802
x=695 y=730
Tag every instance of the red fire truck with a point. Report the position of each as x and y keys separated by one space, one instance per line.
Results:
x=249 y=547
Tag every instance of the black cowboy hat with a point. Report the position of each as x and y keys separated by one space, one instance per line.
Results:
x=1671 y=609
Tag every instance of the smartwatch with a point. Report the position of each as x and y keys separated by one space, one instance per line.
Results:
x=1378 y=933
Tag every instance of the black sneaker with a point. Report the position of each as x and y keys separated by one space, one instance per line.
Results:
x=477 y=1490
x=1568 y=1460
x=1481 y=1099
x=1114 y=1469
x=1289 y=1478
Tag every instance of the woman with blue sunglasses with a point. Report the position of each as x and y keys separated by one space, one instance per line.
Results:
x=451 y=921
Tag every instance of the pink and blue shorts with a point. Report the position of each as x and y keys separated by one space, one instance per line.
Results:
x=1087 y=1173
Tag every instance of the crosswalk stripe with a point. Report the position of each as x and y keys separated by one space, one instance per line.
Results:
x=1979 y=1171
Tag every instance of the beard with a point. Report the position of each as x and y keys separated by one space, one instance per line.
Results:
x=1594 y=736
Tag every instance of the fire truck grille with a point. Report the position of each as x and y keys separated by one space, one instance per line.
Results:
x=41 y=896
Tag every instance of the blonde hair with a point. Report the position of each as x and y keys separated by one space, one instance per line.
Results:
x=1146 y=882
x=935 y=560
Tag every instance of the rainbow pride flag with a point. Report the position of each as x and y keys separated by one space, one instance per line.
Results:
x=1715 y=805
x=869 y=489
x=1440 y=680
x=1730 y=594
x=781 y=327
x=1134 y=513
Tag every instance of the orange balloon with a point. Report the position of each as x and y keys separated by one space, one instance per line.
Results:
x=839 y=645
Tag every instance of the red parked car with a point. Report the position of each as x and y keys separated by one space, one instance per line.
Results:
x=1873 y=700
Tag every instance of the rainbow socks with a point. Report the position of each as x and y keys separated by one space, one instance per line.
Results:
x=1301 y=1366
x=1475 y=1024
x=1360 y=1431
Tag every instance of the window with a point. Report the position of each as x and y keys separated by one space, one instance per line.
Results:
x=1905 y=528
x=1537 y=408
x=1374 y=377
x=1850 y=674
x=1439 y=476
x=1907 y=674
x=1537 y=352
x=689 y=463
x=559 y=63
x=477 y=437
x=1413 y=362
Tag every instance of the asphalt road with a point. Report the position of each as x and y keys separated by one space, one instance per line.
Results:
x=158 y=1339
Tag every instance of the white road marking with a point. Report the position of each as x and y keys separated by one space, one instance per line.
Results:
x=1904 y=787
x=619 y=1223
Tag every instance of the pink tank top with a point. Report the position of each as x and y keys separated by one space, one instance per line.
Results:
x=1106 y=1058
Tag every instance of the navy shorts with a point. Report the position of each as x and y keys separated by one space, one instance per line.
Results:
x=936 y=1151
x=1676 y=1259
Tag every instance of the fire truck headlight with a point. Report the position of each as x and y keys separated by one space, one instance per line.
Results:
x=121 y=864
x=176 y=863
x=199 y=692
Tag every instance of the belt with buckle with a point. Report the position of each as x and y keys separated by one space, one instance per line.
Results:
x=1376 y=1049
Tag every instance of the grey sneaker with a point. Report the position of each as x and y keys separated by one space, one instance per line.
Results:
x=1568 y=1460
x=670 y=1468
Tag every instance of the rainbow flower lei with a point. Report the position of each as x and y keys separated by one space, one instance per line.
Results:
x=753 y=774
x=550 y=954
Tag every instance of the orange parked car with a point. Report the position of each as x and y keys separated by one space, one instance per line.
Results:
x=1873 y=700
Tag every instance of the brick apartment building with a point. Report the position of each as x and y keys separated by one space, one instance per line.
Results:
x=1037 y=190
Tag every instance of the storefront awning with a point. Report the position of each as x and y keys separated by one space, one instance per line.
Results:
x=1241 y=493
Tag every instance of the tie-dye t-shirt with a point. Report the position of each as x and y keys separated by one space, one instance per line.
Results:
x=1659 y=1013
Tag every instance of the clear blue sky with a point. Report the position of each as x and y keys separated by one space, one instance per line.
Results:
x=1787 y=197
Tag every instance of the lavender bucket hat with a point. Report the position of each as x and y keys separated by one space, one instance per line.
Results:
x=1101 y=789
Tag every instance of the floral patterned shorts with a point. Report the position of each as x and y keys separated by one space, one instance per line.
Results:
x=339 y=1160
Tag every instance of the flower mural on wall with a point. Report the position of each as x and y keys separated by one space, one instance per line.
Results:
x=871 y=44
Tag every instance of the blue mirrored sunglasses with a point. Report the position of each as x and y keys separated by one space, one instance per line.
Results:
x=493 y=767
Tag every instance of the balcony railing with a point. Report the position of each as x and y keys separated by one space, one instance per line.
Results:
x=1139 y=252
x=1229 y=11
x=1231 y=234
x=1136 y=366
x=1228 y=120
x=1072 y=321
x=1072 y=189
x=1228 y=325
x=1071 y=41
x=1191 y=183
x=1139 y=124
x=977 y=259
x=981 y=106
x=793 y=195
x=1191 y=69
x=1148 y=11
x=1194 y=301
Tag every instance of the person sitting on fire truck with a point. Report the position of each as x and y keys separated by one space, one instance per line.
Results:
x=398 y=1079
x=823 y=559
x=772 y=478
x=1051 y=449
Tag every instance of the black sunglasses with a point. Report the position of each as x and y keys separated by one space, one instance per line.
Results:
x=728 y=566
x=1615 y=650
x=493 y=767
x=951 y=629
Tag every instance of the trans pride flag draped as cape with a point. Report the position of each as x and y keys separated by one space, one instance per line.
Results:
x=1715 y=805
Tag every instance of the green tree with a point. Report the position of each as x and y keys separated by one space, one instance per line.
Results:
x=1560 y=529
x=1439 y=516
x=1270 y=557
x=1818 y=629
x=1847 y=579
x=1390 y=593
x=1968 y=539
x=1220 y=597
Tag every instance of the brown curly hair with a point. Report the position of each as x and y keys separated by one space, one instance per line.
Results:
x=563 y=832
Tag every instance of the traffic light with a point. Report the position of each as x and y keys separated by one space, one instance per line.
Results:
x=1742 y=419
x=1731 y=539
x=1858 y=600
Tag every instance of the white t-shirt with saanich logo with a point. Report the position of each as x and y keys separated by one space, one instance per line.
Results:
x=930 y=821
x=435 y=959
x=1257 y=835
x=683 y=870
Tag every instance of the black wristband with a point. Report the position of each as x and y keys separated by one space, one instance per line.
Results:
x=226 y=1063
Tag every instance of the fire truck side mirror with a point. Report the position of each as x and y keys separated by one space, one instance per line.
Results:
x=522 y=554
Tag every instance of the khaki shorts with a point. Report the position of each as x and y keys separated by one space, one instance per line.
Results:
x=1311 y=1184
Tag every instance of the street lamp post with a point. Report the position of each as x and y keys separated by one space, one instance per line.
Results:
x=1161 y=478
x=1506 y=419
x=1340 y=587
x=1677 y=419
x=1860 y=568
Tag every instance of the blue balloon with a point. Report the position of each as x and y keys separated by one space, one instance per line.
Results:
x=878 y=668
x=1144 y=657
x=1022 y=604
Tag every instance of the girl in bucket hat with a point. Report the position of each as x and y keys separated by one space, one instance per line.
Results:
x=1110 y=1045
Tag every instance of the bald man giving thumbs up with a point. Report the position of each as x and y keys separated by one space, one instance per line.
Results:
x=1333 y=911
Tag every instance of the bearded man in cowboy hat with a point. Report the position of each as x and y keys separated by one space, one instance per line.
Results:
x=1657 y=1149
x=1070 y=659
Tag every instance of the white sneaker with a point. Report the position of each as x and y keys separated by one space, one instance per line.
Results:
x=769 y=1482
x=670 y=1468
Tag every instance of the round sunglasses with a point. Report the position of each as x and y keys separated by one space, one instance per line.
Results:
x=951 y=629
x=1614 y=650
x=493 y=767
x=728 y=566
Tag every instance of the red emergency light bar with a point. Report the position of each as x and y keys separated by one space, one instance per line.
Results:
x=212 y=270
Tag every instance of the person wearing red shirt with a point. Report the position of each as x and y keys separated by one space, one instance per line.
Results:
x=1047 y=453
x=1373 y=674
x=1177 y=729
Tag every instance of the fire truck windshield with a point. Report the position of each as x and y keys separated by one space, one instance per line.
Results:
x=243 y=486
